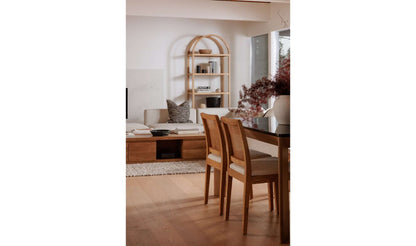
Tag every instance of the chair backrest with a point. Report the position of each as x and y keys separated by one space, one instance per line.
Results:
x=236 y=143
x=214 y=135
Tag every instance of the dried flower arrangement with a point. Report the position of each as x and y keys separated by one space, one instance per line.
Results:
x=251 y=99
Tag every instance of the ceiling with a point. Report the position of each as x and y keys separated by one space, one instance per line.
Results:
x=257 y=11
x=260 y=1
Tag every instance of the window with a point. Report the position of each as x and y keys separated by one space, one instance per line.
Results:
x=281 y=48
x=259 y=57
x=284 y=44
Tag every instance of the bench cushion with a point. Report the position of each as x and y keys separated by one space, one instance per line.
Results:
x=154 y=116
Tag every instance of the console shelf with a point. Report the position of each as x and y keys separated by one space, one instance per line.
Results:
x=166 y=148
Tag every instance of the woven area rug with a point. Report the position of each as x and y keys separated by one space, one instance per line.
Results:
x=165 y=168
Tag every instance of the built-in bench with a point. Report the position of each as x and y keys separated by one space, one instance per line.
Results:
x=145 y=148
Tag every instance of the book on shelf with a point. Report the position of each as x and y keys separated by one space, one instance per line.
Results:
x=204 y=87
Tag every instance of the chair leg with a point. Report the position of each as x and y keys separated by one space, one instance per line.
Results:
x=276 y=195
x=222 y=191
x=251 y=192
x=227 y=205
x=245 y=207
x=270 y=190
x=207 y=176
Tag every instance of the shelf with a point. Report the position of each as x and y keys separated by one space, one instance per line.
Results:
x=208 y=93
x=222 y=71
x=210 y=55
x=208 y=74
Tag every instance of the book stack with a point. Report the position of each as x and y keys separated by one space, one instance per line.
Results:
x=213 y=65
x=186 y=131
x=203 y=88
x=141 y=132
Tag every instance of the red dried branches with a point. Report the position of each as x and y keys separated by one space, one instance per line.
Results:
x=251 y=99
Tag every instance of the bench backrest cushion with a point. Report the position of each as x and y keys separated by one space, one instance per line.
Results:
x=153 y=116
x=217 y=111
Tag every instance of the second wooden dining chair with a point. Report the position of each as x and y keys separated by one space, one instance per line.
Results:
x=243 y=167
x=216 y=156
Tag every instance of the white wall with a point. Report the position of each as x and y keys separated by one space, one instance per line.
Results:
x=279 y=18
x=156 y=47
x=156 y=58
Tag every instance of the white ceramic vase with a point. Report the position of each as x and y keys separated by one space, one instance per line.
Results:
x=281 y=109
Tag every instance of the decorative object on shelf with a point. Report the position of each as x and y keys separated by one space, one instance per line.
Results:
x=202 y=105
x=251 y=99
x=205 y=67
x=217 y=90
x=213 y=102
x=218 y=65
x=205 y=51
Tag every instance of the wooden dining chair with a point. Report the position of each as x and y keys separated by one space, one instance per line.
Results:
x=216 y=154
x=241 y=166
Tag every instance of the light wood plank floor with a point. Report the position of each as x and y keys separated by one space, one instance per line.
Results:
x=169 y=210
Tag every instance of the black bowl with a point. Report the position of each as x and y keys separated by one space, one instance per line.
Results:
x=160 y=132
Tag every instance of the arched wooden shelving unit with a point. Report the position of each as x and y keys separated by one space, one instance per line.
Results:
x=190 y=68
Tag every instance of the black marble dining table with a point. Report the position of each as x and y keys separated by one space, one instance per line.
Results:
x=264 y=129
x=267 y=126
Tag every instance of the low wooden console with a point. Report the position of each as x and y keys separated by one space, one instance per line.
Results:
x=141 y=148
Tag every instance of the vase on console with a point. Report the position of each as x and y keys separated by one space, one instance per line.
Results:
x=281 y=109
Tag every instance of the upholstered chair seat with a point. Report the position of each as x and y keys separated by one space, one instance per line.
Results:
x=263 y=166
x=254 y=154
